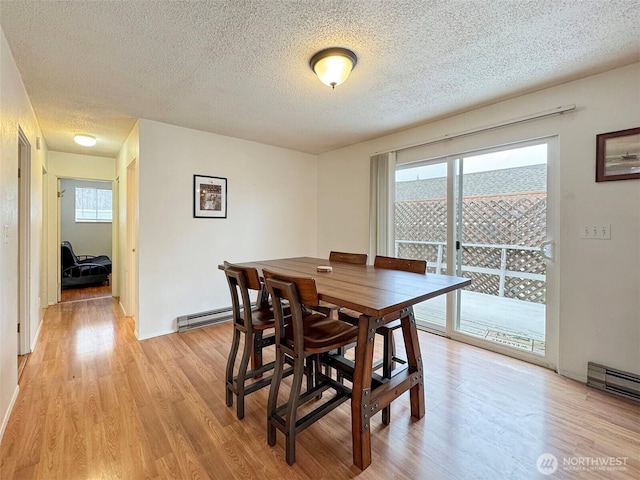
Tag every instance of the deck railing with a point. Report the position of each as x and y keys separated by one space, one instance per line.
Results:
x=512 y=271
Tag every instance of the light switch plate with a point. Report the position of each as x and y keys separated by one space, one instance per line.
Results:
x=596 y=231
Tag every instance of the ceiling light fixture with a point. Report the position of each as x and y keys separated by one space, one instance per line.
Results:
x=85 y=140
x=333 y=65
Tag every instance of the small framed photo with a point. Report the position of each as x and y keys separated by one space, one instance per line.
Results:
x=618 y=155
x=210 y=197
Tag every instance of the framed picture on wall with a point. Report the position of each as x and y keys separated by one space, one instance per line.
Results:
x=210 y=197
x=618 y=155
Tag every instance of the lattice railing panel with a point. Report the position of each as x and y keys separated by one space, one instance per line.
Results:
x=515 y=219
x=527 y=261
x=506 y=220
x=481 y=257
x=518 y=219
x=483 y=283
x=422 y=220
x=526 y=290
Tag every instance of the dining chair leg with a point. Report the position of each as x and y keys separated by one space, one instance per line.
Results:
x=309 y=373
x=339 y=376
x=256 y=355
x=292 y=409
x=272 y=403
x=242 y=373
x=230 y=364
x=389 y=352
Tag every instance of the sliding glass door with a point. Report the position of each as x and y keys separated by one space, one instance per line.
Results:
x=501 y=227
x=488 y=210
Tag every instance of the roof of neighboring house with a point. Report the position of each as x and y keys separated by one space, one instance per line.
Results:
x=532 y=178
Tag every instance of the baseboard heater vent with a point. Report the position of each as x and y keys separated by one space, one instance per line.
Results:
x=203 y=319
x=614 y=381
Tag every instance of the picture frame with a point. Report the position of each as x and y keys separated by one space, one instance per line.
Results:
x=210 y=197
x=618 y=155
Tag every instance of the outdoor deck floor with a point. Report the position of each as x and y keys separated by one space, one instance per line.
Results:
x=502 y=320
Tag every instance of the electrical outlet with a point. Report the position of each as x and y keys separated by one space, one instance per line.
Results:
x=596 y=231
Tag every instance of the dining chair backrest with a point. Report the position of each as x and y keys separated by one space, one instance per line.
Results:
x=307 y=293
x=404 y=264
x=250 y=274
x=353 y=258
x=241 y=280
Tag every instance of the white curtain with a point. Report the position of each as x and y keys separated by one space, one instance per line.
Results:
x=382 y=205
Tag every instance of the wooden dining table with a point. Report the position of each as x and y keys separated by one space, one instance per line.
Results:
x=381 y=296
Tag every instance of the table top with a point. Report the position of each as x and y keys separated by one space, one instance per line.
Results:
x=373 y=291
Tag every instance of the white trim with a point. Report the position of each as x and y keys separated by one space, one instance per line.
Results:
x=37 y=335
x=7 y=415
x=573 y=376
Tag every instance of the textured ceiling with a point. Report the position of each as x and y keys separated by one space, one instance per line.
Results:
x=240 y=68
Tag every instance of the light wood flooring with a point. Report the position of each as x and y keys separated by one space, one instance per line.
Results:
x=96 y=403
x=85 y=293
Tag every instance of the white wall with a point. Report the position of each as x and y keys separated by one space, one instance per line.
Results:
x=16 y=112
x=599 y=281
x=86 y=238
x=272 y=212
x=71 y=165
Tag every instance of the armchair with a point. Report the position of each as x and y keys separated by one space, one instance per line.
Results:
x=84 y=269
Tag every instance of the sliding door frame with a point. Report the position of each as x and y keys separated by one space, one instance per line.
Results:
x=454 y=198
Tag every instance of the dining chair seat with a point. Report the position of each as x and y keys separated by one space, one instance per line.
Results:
x=322 y=333
x=261 y=317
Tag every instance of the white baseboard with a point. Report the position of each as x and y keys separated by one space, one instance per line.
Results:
x=156 y=333
x=7 y=415
x=37 y=335
x=573 y=376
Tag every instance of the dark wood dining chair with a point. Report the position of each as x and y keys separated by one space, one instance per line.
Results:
x=250 y=322
x=389 y=357
x=330 y=309
x=344 y=257
x=304 y=336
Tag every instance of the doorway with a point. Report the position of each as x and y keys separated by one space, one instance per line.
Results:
x=488 y=212
x=24 y=237
x=86 y=234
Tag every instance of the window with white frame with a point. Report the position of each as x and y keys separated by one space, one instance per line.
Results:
x=93 y=205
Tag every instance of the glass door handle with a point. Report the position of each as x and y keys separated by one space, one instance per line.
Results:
x=548 y=250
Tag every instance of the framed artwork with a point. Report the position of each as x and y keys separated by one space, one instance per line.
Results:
x=210 y=197
x=618 y=155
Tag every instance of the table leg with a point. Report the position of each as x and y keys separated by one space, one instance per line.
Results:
x=414 y=359
x=360 y=421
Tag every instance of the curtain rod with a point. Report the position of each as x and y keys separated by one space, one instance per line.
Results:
x=515 y=121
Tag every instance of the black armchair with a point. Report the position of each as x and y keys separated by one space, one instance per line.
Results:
x=84 y=269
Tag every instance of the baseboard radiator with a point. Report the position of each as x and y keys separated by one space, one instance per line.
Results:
x=203 y=319
x=614 y=381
